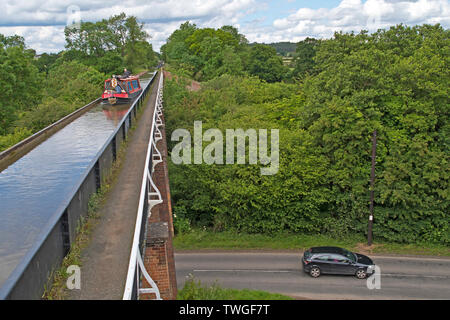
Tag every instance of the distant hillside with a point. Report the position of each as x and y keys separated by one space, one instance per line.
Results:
x=283 y=48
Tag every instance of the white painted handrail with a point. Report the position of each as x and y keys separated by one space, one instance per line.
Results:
x=136 y=266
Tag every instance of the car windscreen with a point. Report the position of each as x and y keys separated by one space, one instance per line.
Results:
x=307 y=254
x=348 y=254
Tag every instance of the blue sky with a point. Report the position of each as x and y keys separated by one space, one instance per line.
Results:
x=41 y=22
x=279 y=9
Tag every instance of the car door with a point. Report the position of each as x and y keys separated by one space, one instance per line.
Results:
x=323 y=262
x=339 y=264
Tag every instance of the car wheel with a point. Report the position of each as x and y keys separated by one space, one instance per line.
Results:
x=314 y=272
x=361 y=274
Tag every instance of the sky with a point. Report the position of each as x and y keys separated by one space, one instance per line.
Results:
x=42 y=22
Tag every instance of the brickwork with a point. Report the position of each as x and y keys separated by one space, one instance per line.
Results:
x=155 y=260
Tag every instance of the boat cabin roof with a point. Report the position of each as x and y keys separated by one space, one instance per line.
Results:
x=124 y=79
x=129 y=85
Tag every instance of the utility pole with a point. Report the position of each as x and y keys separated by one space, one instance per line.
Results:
x=372 y=185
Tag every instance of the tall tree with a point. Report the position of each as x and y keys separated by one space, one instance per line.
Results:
x=264 y=63
x=20 y=81
x=110 y=40
x=176 y=47
x=305 y=53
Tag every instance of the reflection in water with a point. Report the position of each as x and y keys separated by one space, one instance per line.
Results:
x=115 y=112
x=33 y=188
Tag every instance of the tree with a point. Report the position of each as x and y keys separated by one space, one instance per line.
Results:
x=97 y=44
x=12 y=41
x=264 y=63
x=68 y=86
x=176 y=47
x=230 y=62
x=20 y=81
x=395 y=81
x=140 y=54
x=240 y=38
x=74 y=80
x=305 y=53
x=206 y=52
x=45 y=61
x=111 y=63
x=136 y=49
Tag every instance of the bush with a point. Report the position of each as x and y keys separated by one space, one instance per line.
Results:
x=180 y=223
x=11 y=139
x=365 y=83
x=69 y=86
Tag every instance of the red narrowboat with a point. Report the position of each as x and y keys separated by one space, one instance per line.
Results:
x=121 y=90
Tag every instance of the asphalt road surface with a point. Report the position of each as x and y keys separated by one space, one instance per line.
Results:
x=281 y=272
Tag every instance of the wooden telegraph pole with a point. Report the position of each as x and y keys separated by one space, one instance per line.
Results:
x=372 y=184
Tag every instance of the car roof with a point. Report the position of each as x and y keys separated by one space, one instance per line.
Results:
x=327 y=250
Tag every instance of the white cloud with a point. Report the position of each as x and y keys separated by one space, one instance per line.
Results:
x=32 y=18
x=355 y=15
x=42 y=39
x=42 y=12
x=41 y=22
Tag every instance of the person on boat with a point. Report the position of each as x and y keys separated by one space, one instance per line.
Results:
x=126 y=73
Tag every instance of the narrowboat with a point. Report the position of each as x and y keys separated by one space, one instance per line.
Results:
x=121 y=90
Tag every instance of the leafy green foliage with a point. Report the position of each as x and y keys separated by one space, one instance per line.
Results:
x=31 y=100
x=394 y=81
x=39 y=90
x=208 y=53
x=264 y=63
x=69 y=86
x=304 y=61
x=111 y=62
x=45 y=61
x=20 y=81
x=12 y=41
x=176 y=50
x=13 y=138
x=111 y=44
x=181 y=224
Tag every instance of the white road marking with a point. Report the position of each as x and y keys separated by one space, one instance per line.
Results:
x=413 y=275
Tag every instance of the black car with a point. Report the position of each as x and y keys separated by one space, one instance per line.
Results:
x=335 y=260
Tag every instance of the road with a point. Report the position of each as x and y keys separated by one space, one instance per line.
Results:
x=280 y=272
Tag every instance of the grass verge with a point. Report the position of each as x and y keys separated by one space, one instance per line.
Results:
x=198 y=239
x=194 y=290
x=56 y=290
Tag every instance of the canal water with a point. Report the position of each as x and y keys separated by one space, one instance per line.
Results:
x=33 y=188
